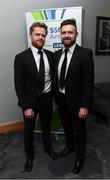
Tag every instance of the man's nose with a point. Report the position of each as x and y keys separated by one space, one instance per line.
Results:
x=66 y=34
x=41 y=36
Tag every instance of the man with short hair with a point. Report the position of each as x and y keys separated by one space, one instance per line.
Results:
x=33 y=77
x=74 y=82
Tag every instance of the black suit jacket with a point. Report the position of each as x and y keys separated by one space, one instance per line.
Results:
x=79 y=81
x=26 y=77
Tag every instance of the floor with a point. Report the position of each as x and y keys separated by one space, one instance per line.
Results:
x=97 y=162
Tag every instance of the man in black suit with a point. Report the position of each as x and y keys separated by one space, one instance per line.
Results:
x=33 y=77
x=74 y=90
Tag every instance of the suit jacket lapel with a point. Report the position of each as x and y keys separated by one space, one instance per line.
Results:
x=33 y=63
x=73 y=58
x=57 y=59
x=48 y=56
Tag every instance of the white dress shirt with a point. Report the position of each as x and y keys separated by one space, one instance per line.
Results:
x=69 y=56
x=36 y=55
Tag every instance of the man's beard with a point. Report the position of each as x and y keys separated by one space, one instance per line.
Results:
x=38 y=45
x=68 y=45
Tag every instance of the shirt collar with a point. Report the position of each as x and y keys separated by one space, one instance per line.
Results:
x=71 y=49
x=35 y=49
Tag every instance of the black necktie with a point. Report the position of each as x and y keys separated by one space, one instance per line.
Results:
x=63 y=70
x=41 y=72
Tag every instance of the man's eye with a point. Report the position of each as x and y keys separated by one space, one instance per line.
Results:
x=40 y=35
x=43 y=36
x=63 y=33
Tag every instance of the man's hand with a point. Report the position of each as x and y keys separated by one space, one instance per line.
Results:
x=29 y=113
x=83 y=113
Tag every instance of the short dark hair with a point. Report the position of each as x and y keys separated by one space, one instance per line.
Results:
x=38 y=24
x=69 y=21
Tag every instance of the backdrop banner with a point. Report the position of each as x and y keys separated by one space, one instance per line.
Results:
x=52 y=18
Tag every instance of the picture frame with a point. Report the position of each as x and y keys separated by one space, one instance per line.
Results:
x=102 y=36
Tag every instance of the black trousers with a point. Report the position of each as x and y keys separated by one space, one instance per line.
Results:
x=44 y=109
x=74 y=128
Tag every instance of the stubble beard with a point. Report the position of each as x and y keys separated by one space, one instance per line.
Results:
x=38 y=45
x=68 y=45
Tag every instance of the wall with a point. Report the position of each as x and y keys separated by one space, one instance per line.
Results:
x=13 y=39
